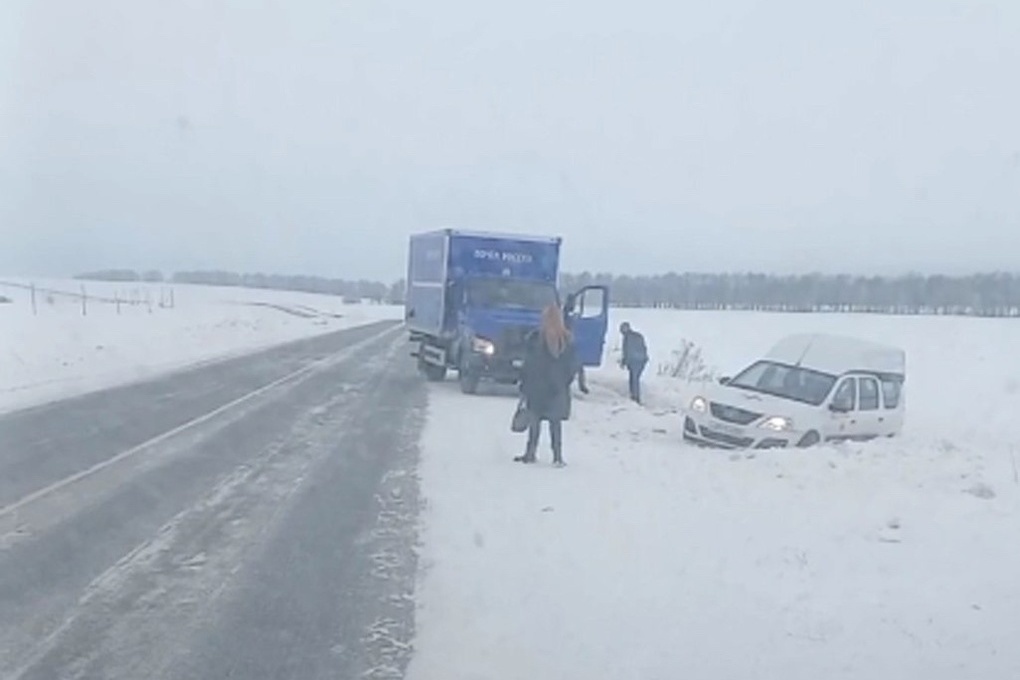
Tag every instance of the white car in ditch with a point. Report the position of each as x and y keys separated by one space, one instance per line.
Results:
x=808 y=389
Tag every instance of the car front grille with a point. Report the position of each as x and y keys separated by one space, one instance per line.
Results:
x=732 y=414
x=772 y=444
x=727 y=439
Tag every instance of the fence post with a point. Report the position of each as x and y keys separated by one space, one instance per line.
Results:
x=35 y=308
x=84 y=301
x=116 y=298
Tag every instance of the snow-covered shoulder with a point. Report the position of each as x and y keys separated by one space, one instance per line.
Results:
x=649 y=559
x=67 y=337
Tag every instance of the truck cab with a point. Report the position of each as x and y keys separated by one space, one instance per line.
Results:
x=473 y=299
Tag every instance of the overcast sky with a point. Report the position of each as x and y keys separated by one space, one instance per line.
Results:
x=312 y=136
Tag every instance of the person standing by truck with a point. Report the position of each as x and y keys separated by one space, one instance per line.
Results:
x=548 y=370
x=634 y=358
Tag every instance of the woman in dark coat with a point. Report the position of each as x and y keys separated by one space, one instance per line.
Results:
x=549 y=369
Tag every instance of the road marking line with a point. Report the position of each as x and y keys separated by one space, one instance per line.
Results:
x=102 y=465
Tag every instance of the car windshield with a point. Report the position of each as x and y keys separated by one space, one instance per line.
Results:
x=503 y=293
x=788 y=382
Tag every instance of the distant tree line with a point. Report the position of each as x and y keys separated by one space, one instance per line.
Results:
x=996 y=294
x=362 y=289
x=122 y=275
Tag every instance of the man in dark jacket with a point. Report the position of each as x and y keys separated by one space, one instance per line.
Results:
x=634 y=358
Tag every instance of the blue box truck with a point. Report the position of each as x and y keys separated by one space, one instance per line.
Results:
x=472 y=299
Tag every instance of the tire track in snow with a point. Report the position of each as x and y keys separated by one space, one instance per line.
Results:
x=331 y=594
x=182 y=570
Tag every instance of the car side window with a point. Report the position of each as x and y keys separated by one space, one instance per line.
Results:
x=869 y=394
x=891 y=392
x=845 y=398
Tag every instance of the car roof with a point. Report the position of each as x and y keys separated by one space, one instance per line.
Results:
x=838 y=354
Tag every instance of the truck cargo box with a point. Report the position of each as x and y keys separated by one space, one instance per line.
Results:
x=426 y=283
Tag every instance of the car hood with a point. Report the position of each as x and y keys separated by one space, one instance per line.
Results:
x=766 y=404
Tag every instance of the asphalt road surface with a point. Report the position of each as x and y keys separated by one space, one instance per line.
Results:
x=249 y=519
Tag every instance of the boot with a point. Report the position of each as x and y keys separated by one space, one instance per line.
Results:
x=529 y=455
x=532 y=446
x=582 y=381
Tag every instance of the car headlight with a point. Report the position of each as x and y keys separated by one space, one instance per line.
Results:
x=699 y=405
x=483 y=346
x=777 y=424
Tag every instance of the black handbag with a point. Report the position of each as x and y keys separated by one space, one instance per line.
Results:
x=522 y=417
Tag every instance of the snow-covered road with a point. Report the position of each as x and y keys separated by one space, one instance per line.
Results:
x=252 y=518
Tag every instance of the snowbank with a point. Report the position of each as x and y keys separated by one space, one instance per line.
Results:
x=59 y=352
x=648 y=559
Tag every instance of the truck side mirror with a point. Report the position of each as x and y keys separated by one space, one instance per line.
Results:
x=725 y=380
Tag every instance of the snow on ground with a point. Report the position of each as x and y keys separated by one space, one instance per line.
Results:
x=58 y=352
x=649 y=559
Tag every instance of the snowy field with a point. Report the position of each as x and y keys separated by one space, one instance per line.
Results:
x=647 y=559
x=59 y=351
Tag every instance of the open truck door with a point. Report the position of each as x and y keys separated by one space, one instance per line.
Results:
x=588 y=310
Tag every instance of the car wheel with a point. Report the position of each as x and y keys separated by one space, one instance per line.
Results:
x=810 y=439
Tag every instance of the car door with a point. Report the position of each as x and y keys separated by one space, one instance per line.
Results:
x=589 y=322
x=843 y=411
x=870 y=415
x=892 y=403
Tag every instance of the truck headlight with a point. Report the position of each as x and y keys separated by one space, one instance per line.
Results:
x=777 y=424
x=699 y=405
x=483 y=346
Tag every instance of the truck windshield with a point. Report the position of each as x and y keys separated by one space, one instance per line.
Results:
x=788 y=382
x=496 y=293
